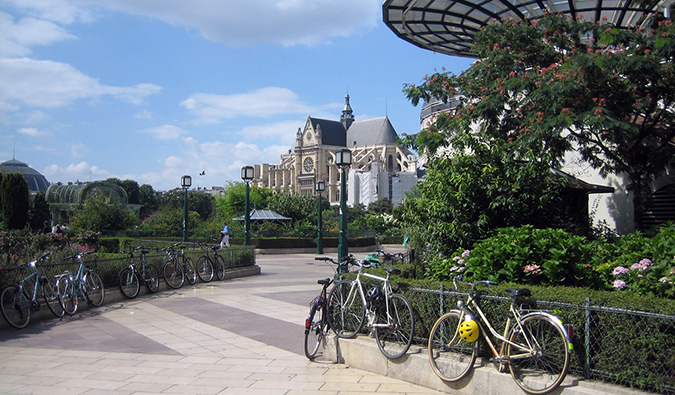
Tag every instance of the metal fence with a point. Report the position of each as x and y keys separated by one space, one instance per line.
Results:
x=626 y=347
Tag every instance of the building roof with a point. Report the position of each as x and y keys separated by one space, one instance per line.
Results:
x=36 y=181
x=332 y=132
x=448 y=26
x=263 y=215
x=374 y=131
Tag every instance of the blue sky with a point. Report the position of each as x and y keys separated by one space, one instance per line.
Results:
x=151 y=90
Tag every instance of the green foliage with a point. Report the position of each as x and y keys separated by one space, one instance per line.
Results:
x=100 y=213
x=298 y=206
x=14 y=201
x=199 y=202
x=130 y=187
x=39 y=211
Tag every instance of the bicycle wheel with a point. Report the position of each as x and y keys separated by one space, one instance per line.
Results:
x=15 y=306
x=394 y=339
x=66 y=287
x=544 y=371
x=53 y=298
x=129 y=284
x=94 y=290
x=346 y=312
x=315 y=331
x=451 y=357
x=190 y=270
x=219 y=267
x=205 y=269
x=151 y=278
x=173 y=274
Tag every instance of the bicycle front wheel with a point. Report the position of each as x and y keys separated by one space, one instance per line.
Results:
x=346 y=310
x=546 y=369
x=94 y=290
x=395 y=327
x=219 y=267
x=204 y=269
x=190 y=270
x=315 y=331
x=151 y=278
x=66 y=287
x=53 y=298
x=173 y=274
x=129 y=284
x=451 y=357
x=15 y=306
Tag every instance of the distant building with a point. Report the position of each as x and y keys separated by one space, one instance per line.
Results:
x=379 y=167
x=36 y=181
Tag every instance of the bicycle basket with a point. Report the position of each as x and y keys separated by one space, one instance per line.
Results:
x=313 y=302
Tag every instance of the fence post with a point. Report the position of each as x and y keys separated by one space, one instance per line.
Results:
x=587 y=340
x=442 y=299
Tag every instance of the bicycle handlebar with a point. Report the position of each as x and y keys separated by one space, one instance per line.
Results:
x=458 y=279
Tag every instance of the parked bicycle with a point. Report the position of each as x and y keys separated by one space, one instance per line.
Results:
x=85 y=285
x=217 y=262
x=18 y=301
x=316 y=324
x=390 y=315
x=535 y=345
x=178 y=267
x=132 y=275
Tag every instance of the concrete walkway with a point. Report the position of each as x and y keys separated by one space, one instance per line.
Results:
x=239 y=336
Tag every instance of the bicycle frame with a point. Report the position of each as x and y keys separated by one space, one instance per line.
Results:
x=386 y=289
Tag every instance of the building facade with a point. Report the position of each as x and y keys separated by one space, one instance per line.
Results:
x=379 y=167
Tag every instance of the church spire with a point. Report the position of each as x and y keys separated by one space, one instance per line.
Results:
x=347 y=117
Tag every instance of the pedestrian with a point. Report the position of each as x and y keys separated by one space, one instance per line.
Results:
x=47 y=228
x=58 y=230
x=225 y=233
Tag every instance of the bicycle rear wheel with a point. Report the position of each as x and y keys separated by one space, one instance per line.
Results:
x=346 y=312
x=66 y=287
x=190 y=270
x=173 y=274
x=151 y=278
x=219 y=267
x=395 y=338
x=15 y=306
x=129 y=284
x=53 y=298
x=205 y=269
x=451 y=357
x=315 y=331
x=544 y=371
x=94 y=290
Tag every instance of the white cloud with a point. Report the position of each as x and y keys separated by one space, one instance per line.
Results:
x=75 y=171
x=284 y=130
x=34 y=132
x=17 y=38
x=165 y=132
x=45 y=83
x=264 y=102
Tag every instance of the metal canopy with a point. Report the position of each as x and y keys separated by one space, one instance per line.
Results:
x=264 y=215
x=448 y=26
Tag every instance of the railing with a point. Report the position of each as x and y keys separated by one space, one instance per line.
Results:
x=627 y=347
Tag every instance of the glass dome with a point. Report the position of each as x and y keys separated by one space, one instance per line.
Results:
x=36 y=181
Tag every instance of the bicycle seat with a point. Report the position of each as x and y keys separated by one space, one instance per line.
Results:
x=324 y=281
x=391 y=270
x=518 y=292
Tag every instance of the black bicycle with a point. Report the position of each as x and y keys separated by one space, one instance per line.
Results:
x=217 y=263
x=132 y=276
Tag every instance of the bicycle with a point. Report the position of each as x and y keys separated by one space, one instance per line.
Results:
x=316 y=324
x=178 y=267
x=535 y=345
x=17 y=301
x=217 y=263
x=131 y=276
x=390 y=315
x=85 y=285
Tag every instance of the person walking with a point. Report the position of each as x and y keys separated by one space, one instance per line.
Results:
x=225 y=233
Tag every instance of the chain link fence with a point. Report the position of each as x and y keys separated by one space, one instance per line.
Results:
x=627 y=347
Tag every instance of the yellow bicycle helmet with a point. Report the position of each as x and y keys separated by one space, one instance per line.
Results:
x=468 y=331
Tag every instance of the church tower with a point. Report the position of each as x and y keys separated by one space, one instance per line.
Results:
x=347 y=117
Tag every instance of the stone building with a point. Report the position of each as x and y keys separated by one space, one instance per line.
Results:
x=379 y=167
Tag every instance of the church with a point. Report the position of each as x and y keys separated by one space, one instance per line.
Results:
x=379 y=167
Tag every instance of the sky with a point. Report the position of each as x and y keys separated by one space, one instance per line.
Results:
x=151 y=90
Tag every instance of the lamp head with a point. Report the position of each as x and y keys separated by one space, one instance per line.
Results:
x=186 y=181
x=343 y=157
x=247 y=173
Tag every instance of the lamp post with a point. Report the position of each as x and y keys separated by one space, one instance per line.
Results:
x=247 y=173
x=343 y=159
x=320 y=186
x=185 y=183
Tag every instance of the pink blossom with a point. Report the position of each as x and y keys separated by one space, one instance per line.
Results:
x=619 y=284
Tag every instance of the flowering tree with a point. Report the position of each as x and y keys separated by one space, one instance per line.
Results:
x=557 y=84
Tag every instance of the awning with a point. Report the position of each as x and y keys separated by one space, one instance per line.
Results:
x=263 y=215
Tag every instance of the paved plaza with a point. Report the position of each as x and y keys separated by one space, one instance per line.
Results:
x=238 y=336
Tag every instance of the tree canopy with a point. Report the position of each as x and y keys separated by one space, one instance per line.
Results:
x=553 y=85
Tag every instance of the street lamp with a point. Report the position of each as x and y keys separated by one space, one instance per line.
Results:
x=343 y=159
x=185 y=183
x=247 y=173
x=320 y=186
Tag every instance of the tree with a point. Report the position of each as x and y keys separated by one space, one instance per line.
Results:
x=200 y=202
x=233 y=203
x=148 y=199
x=100 y=213
x=298 y=206
x=39 y=211
x=381 y=205
x=130 y=187
x=556 y=84
x=14 y=200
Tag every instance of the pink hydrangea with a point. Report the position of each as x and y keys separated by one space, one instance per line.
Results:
x=619 y=284
x=619 y=270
